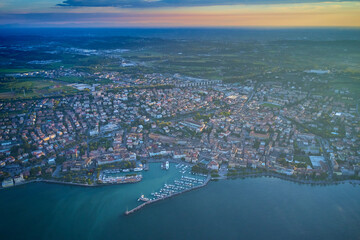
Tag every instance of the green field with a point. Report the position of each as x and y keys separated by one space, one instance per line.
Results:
x=271 y=105
x=304 y=159
x=24 y=89
x=17 y=70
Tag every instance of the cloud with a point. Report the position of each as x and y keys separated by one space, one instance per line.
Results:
x=180 y=3
x=277 y=16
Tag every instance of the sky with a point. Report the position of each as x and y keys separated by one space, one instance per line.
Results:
x=179 y=13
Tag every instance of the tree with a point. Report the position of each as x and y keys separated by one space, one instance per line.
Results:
x=89 y=182
x=256 y=144
x=34 y=171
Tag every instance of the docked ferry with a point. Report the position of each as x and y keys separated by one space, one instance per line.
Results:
x=120 y=179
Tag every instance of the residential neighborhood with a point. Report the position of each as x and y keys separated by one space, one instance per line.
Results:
x=270 y=127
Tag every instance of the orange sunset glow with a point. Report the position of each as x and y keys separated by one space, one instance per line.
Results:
x=323 y=14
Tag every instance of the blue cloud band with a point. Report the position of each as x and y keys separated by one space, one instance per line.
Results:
x=179 y=3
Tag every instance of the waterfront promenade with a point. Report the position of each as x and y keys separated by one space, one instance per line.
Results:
x=296 y=180
x=249 y=175
x=66 y=183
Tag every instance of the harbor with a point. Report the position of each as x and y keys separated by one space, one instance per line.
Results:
x=186 y=182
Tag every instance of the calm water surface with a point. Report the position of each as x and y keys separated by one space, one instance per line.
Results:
x=258 y=208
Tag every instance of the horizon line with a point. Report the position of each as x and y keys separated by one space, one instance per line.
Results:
x=178 y=27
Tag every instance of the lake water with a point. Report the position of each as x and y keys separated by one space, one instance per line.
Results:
x=256 y=208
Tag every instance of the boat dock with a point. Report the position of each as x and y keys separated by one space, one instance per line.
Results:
x=146 y=167
x=128 y=212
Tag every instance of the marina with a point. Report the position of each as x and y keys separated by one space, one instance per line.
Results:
x=186 y=182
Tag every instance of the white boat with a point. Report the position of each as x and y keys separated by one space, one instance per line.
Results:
x=165 y=165
x=142 y=198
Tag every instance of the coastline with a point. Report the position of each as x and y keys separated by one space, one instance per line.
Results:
x=208 y=179
x=251 y=175
x=65 y=183
x=286 y=178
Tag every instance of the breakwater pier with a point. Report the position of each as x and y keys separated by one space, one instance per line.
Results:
x=128 y=212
